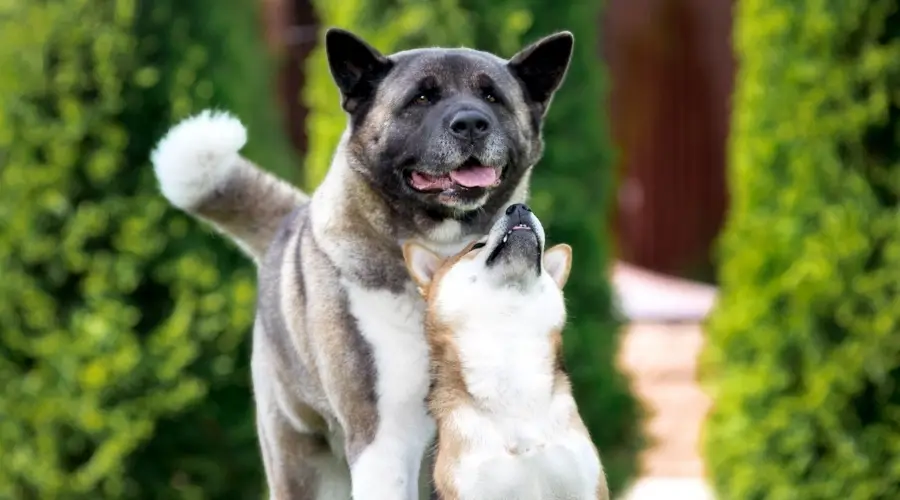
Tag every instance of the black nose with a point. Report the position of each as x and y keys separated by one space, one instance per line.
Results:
x=470 y=124
x=519 y=209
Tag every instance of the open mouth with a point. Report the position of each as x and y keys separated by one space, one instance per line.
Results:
x=470 y=175
x=517 y=231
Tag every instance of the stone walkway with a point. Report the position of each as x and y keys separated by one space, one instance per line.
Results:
x=659 y=351
x=661 y=360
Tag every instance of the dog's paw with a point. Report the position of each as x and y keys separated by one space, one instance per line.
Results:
x=196 y=155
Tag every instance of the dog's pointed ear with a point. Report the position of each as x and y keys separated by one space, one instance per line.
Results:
x=422 y=264
x=356 y=66
x=541 y=66
x=558 y=263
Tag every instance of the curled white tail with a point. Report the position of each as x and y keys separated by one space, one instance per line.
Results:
x=197 y=155
x=200 y=170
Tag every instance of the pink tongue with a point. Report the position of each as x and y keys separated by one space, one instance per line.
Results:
x=476 y=176
x=425 y=182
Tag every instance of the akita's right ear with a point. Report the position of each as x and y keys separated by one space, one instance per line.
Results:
x=356 y=66
x=422 y=264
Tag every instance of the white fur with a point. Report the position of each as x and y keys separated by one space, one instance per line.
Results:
x=388 y=469
x=196 y=155
x=503 y=336
x=520 y=439
x=334 y=481
x=448 y=231
x=392 y=324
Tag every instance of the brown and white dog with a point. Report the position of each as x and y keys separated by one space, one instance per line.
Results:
x=508 y=426
x=438 y=143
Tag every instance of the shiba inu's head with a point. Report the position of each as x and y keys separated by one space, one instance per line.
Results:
x=504 y=276
x=445 y=133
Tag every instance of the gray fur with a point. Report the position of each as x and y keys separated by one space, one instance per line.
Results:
x=316 y=373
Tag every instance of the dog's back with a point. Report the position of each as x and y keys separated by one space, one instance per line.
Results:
x=508 y=426
x=439 y=142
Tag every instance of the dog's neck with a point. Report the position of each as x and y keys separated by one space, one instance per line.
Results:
x=506 y=365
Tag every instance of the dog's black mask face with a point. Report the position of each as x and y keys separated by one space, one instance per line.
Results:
x=445 y=133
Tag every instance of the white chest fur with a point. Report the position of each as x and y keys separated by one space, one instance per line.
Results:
x=513 y=378
x=523 y=438
x=392 y=324
x=543 y=458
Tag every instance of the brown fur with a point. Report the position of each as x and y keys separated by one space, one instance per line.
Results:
x=448 y=388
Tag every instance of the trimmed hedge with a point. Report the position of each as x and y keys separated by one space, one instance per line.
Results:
x=571 y=187
x=803 y=359
x=125 y=328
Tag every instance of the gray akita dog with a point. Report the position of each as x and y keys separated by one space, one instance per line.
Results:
x=438 y=143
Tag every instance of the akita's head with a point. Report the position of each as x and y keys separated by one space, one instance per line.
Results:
x=445 y=133
x=505 y=276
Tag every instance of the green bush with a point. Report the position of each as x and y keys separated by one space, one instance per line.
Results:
x=572 y=192
x=803 y=359
x=125 y=328
x=571 y=186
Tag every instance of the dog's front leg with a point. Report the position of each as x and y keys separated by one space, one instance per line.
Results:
x=388 y=468
x=385 y=421
x=572 y=453
x=386 y=464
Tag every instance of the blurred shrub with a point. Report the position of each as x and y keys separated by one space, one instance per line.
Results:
x=571 y=186
x=125 y=328
x=572 y=192
x=803 y=359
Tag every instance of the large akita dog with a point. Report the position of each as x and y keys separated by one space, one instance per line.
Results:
x=438 y=143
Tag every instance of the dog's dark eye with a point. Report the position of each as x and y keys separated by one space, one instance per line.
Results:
x=478 y=245
x=490 y=95
x=422 y=99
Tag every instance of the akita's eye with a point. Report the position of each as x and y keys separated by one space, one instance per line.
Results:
x=422 y=99
x=490 y=97
x=478 y=245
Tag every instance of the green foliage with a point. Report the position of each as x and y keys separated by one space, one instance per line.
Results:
x=571 y=186
x=803 y=359
x=572 y=193
x=124 y=328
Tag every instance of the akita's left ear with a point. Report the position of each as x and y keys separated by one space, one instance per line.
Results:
x=541 y=66
x=356 y=66
x=422 y=264
x=558 y=263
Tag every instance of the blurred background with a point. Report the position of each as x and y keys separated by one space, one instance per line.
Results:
x=727 y=173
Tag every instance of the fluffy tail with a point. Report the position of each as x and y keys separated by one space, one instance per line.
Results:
x=201 y=172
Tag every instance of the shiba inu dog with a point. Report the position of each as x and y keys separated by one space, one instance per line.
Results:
x=438 y=143
x=508 y=426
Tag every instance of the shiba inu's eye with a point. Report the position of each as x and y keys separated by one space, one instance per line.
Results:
x=478 y=245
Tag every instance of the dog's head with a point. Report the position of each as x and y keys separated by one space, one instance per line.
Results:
x=505 y=276
x=445 y=133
